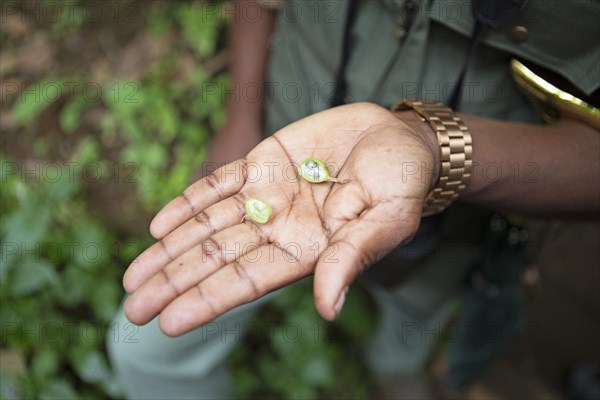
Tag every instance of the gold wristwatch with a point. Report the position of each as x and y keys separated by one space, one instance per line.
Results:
x=455 y=152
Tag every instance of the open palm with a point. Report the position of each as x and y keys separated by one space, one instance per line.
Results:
x=210 y=259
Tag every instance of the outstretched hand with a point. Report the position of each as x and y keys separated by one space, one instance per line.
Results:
x=209 y=259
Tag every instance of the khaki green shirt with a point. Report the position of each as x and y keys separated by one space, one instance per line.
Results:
x=561 y=36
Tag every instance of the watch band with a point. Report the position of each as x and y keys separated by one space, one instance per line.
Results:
x=455 y=152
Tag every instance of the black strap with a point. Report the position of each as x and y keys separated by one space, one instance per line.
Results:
x=341 y=86
x=478 y=33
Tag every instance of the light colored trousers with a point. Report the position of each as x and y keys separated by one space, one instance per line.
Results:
x=151 y=365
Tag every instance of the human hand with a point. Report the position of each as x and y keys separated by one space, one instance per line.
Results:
x=207 y=262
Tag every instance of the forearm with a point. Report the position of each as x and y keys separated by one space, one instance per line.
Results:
x=533 y=169
x=248 y=59
x=247 y=65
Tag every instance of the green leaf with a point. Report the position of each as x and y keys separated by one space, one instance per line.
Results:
x=356 y=318
x=193 y=133
x=200 y=76
x=105 y=298
x=62 y=186
x=125 y=98
x=31 y=277
x=133 y=131
x=167 y=122
x=27 y=224
x=45 y=363
x=160 y=115
x=92 y=246
x=199 y=30
x=71 y=113
x=23 y=230
x=74 y=286
x=109 y=125
x=88 y=151
x=318 y=372
x=158 y=24
x=40 y=147
x=35 y=99
x=176 y=91
x=217 y=117
x=155 y=155
x=59 y=389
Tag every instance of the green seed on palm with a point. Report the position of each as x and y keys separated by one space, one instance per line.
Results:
x=314 y=170
x=258 y=210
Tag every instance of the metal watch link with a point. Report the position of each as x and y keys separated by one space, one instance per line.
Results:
x=455 y=152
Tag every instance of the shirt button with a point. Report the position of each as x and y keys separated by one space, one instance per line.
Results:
x=519 y=34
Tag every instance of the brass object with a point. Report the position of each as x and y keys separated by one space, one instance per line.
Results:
x=566 y=104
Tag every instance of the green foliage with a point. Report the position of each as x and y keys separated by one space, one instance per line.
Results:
x=165 y=123
x=70 y=18
x=59 y=285
x=71 y=114
x=199 y=29
x=39 y=96
x=61 y=264
x=295 y=354
x=150 y=117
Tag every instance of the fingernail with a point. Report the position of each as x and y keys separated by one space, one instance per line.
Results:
x=340 y=303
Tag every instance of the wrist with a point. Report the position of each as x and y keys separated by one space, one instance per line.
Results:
x=424 y=131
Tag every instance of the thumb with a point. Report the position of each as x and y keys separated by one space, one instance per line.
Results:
x=356 y=245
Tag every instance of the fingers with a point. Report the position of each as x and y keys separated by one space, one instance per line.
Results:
x=209 y=190
x=261 y=271
x=195 y=230
x=189 y=269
